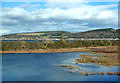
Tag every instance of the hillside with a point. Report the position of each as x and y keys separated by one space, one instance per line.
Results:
x=98 y=33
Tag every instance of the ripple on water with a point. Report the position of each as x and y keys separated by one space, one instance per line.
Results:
x=40 y=67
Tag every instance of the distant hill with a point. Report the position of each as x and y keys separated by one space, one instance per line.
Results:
x=98 y=33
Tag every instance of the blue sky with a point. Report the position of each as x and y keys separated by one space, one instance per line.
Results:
x=42 y=4
x=18 y=17
x=16 y=4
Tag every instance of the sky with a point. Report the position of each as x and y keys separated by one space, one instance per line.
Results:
x=18 y=17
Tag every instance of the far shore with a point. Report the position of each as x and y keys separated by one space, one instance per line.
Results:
x=81 y=49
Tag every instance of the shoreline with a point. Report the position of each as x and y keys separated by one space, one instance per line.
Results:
x=109 y=54
x=82 y=49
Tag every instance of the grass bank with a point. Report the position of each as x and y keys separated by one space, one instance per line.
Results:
x=82 y=49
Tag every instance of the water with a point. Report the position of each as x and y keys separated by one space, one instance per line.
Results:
x=37 y=40
x=41 y=67
x=22 y=40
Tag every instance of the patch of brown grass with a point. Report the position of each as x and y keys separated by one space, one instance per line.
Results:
x=109 y=56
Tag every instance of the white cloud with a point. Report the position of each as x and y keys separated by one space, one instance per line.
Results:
x=49 y=23
x=3 y=31
x=106 y=15
x=54 y=16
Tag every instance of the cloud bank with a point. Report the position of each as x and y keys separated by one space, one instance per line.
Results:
x=65 y=16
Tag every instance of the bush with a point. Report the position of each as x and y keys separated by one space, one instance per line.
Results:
x=27 y=45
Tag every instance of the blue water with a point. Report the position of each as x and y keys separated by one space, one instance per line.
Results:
x=23 y=40
x=37 y=40
x=42 y=67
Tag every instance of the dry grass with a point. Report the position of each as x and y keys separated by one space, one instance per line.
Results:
x=31 y=33
x=109 y=56
x=82 y=49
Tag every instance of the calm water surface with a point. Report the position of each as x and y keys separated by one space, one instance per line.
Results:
x=41 y=67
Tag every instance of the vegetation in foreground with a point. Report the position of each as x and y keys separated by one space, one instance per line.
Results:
x=105 y=56
x=75 y=69
x=27 y=45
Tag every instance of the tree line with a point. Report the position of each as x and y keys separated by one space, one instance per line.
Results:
x=36 y=44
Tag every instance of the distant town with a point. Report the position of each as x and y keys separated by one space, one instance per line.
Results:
x=98 y=34
x=69 y=39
